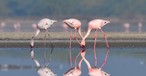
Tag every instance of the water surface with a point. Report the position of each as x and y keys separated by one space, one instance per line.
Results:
x=120 y=62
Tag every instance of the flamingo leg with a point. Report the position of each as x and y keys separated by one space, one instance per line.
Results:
x=75 y=36
x=105 y=38
x=107 y=51
x=45 y=47
x=95 y=36
x=52 y=47
x=77 y=57
x=32 y=40
x=70 y=52
x=45 y=40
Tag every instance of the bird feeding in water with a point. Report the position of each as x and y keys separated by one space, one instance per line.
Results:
x=76 y=25
x=75 y=71
x=43 y=24
x=93 y=71
x=42 y=71
x=96 y=24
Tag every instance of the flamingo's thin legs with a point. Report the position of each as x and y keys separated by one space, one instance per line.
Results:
x=77 y=57
x=70 y=47
x=44 y=48
x=107 y=51
x=52 y=47
x=95 y=59
x=105 y=38
x=75 y=36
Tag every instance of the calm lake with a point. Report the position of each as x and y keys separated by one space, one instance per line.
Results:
x=120 y=62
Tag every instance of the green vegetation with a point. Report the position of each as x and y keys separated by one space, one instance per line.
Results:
x=73 y=8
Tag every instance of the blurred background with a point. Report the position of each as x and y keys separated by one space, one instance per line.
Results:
x=22 y=15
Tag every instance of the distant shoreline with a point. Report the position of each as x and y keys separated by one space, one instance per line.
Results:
x=61 y=39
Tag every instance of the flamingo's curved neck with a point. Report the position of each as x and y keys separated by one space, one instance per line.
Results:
x=86 y=61
x=87 y=34
x=36 y=62
x=79 y=31
x=79 y=65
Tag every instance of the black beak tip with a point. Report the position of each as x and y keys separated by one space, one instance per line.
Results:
x=83 y=47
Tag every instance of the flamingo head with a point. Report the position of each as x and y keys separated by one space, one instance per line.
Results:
x=69 y=23
x=104 y=22
x=45 y=72
x=73 y=72
x=104 y=73
x=52 y=21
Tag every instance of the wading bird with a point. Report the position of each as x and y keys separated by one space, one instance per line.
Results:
x=96 y=24
x=93 y=71
x=17 y=26
x=76 y=71
x=42 y=71
x=43 y=24
x=74 y=24
x=2 y=25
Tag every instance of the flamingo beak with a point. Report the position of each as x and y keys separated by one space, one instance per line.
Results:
x=54 y=21
x=64 y=21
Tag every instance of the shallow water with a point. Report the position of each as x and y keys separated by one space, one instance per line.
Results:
x=120 y=62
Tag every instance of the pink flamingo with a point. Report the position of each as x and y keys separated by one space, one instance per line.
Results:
x=74 y=24
x=43 y=24
x=65 y=27
x=93 y=71
x=34 y=26
x=96 y=24
x=140 y=27
x=76 y=71
x=2 y=25
x=41 y=70
x=17 y=27
x=127 y=26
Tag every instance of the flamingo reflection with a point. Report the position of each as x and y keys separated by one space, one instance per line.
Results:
x=93 y=71
x=76 y=25
x=41 y=70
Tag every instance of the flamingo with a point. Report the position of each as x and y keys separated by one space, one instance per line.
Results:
x=96 y=24
x=17 y=26
x=93 y=71
x=43 y=24
x=34 y=26
x=75 y=71
x=74 y=24
x=42 y=71
x=2 y=25
x=140 y=27
x=127 y=26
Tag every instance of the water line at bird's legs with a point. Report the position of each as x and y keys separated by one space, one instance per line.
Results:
x=105 y=38
x=44 y=48
x=75 y=36
x=76 y=58
x=95 y=59
x=52 y=47
x=70 y=49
